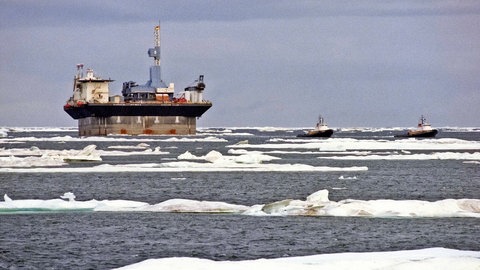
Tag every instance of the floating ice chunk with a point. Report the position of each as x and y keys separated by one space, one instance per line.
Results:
x=469 y=205
x=290 y=207
x=432 y=156
x=138 y=146
x=333 y=148
x=271 y=208
x=206 y=139
x=3 y=133
x=254 y=158
x=187 y=155
x=118 y=205
x=223 y=165
x=33 y=161
x=217 y=158
x=143 y=145
x=318 y=204
x=341 y=177
x=312 y=206
x=269 y=129
x=237 y=151
x=87 y=154
x=68 y=195
x=472 y=162
x=61 y=154
x=88 y=150
x=193 y=206
x=72 y=205
x=339 y=144
x=430 y=258
x=213 y=156
x=318 y=197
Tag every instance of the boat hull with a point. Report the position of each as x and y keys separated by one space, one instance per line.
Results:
x=419 y=134
x=318 y=134
x=137 y=109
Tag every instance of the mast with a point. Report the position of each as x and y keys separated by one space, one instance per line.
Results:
x=422 y=120
x=320 y=120
x=157 y=45
x=155 y=70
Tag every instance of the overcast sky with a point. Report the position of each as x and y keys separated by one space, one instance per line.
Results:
x=266 y=63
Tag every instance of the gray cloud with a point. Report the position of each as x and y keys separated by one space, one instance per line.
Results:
x=275 y=63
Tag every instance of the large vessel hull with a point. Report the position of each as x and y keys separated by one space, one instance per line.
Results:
x=137 y=118
x=137 y=109
x=137 y=125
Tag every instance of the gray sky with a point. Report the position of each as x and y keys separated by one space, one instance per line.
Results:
x=266 y=63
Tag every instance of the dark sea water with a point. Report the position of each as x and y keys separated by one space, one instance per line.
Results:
x=104 y=240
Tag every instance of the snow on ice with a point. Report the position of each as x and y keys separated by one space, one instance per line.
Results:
x=430 y=258
x=316 y=204
x=344 y=144
x=252 y=161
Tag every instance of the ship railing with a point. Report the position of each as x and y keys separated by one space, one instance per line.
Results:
x=156 y=102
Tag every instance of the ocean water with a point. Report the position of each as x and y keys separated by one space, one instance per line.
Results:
x=245 y=195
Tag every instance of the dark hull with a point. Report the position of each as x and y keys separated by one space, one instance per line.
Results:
x=419 y=134
x=137 y=109
x=317 y=133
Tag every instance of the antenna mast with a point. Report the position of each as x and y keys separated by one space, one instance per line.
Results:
x=155 y=51
x=157 y=44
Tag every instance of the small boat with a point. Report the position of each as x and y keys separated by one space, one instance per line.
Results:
x=423 y=130
x=321 y=130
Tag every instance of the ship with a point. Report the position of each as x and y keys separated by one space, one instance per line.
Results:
x=321 y=130
x=151 y=108
x=423 y=130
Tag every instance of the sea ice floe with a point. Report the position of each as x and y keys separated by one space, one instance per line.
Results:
x=27 y=162
x=67 y=203
x=316 y=204
x=217 y=157
x=89 y=152
x=47 y=158
x=341 y=177
x=407 y=156
x=187 y=166
x=3 y=133
x=193 y=206
x=238 y=151
x=371 y=208
x=221 y=132
x=138 y=146
x=185 y=139
x=348 y=144
x=430 y=258
x=42 y=129
x=471 y=162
